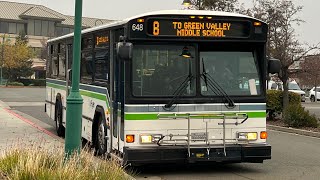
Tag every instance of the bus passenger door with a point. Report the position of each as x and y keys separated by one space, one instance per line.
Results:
x=116 y=105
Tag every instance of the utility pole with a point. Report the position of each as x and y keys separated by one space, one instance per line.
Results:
x=74 y=100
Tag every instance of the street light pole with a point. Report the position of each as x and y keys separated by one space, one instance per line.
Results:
x=74 y=100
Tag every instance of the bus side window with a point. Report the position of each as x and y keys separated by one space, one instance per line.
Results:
x=62 y=61
x=101 y=59
x=86 y=67
x=49 y=61
x=54 y=61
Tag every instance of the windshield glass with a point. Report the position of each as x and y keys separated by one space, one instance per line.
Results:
x=235 y=72
x=159 y=70
x=293 y=86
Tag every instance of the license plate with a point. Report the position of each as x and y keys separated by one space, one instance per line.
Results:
x=198 y=136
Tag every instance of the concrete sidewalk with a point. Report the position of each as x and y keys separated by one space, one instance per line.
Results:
x=18 y=131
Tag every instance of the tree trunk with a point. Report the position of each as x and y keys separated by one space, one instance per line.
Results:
x=9 y=76
x=285 y=80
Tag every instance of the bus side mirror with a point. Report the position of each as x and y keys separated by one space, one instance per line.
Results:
x=124 y=51
x=274 y=66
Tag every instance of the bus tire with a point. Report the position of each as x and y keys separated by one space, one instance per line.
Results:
x=58 y=119
x=100 y=143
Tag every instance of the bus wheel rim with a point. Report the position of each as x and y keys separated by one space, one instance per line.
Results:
x=101 y=135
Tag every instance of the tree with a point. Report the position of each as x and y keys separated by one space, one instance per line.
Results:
x=282 y=15
x=310 y=74
x=17 y=59
x=217 y=5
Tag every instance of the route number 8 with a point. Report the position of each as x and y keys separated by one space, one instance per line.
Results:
x=156 y=28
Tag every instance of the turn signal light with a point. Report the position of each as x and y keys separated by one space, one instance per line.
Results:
x=263 y=135
x=130 y=138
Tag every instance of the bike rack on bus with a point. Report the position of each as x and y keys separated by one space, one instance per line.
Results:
x=188 y=116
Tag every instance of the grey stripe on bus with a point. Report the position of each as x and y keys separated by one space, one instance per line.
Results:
x=252 y=107
x=193 y=107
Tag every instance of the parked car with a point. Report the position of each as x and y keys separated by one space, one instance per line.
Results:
x=312 y=94
x=292 y=86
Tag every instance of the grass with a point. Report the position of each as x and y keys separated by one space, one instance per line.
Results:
x=39 y=163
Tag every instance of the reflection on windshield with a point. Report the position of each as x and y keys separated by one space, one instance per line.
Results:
x=235 y=72
x=160 y=70
x=293 y=86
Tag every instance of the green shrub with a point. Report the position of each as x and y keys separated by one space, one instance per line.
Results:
x=296 y=116
x=39 y=82
x=26 y=82
x=275 y=102
x=15 y=84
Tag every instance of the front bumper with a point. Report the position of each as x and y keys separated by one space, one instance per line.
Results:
x=176 y=154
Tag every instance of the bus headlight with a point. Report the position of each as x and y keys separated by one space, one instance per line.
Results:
x=247 y=136
x=149 y=138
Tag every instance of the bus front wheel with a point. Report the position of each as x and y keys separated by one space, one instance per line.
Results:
x=101 y=133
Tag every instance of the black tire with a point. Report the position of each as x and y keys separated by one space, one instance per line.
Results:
x=100 y=137
x=58 y=119
x=312 y=99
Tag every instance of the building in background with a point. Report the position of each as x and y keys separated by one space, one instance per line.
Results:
x=39 y=24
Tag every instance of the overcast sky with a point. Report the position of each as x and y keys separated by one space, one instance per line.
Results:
x=120 y=9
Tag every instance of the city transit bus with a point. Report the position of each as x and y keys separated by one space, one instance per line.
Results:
x=176 y=86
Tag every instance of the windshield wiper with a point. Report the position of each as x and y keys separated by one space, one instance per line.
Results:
x=215 y=87
x=178 y=92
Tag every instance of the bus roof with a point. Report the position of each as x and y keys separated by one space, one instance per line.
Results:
x=163 y=12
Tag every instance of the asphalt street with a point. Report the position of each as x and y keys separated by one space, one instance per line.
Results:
x=293 y=156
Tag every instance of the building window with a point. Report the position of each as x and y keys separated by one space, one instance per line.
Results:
x=12 y=28
x=37 y=27
x=30 y=27
x=66 y=31
x=58 y=31
x=51 y=29
x=21 y=28
x=4 y=27
x=40 y=28
x=44 y=28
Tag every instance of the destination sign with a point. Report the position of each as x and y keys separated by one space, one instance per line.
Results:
x=199 y=28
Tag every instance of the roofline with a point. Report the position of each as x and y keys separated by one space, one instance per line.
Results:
x=163 y=12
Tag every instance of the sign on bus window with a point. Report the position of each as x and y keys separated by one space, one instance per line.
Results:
x=102 y=40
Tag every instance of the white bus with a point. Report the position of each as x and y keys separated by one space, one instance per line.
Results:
x=178 y=86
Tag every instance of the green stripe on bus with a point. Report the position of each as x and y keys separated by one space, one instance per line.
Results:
x=84 y=93
x=155 y=116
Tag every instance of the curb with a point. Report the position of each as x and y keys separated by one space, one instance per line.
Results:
x=294 y=130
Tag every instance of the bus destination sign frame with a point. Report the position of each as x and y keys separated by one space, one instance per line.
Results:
x=197 y=28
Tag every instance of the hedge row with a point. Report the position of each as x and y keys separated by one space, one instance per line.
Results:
x=33 y=82
x=294 y=115
x=275 y=103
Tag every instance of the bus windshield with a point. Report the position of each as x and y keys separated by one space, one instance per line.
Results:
x=235 y=72
x=159 y=70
